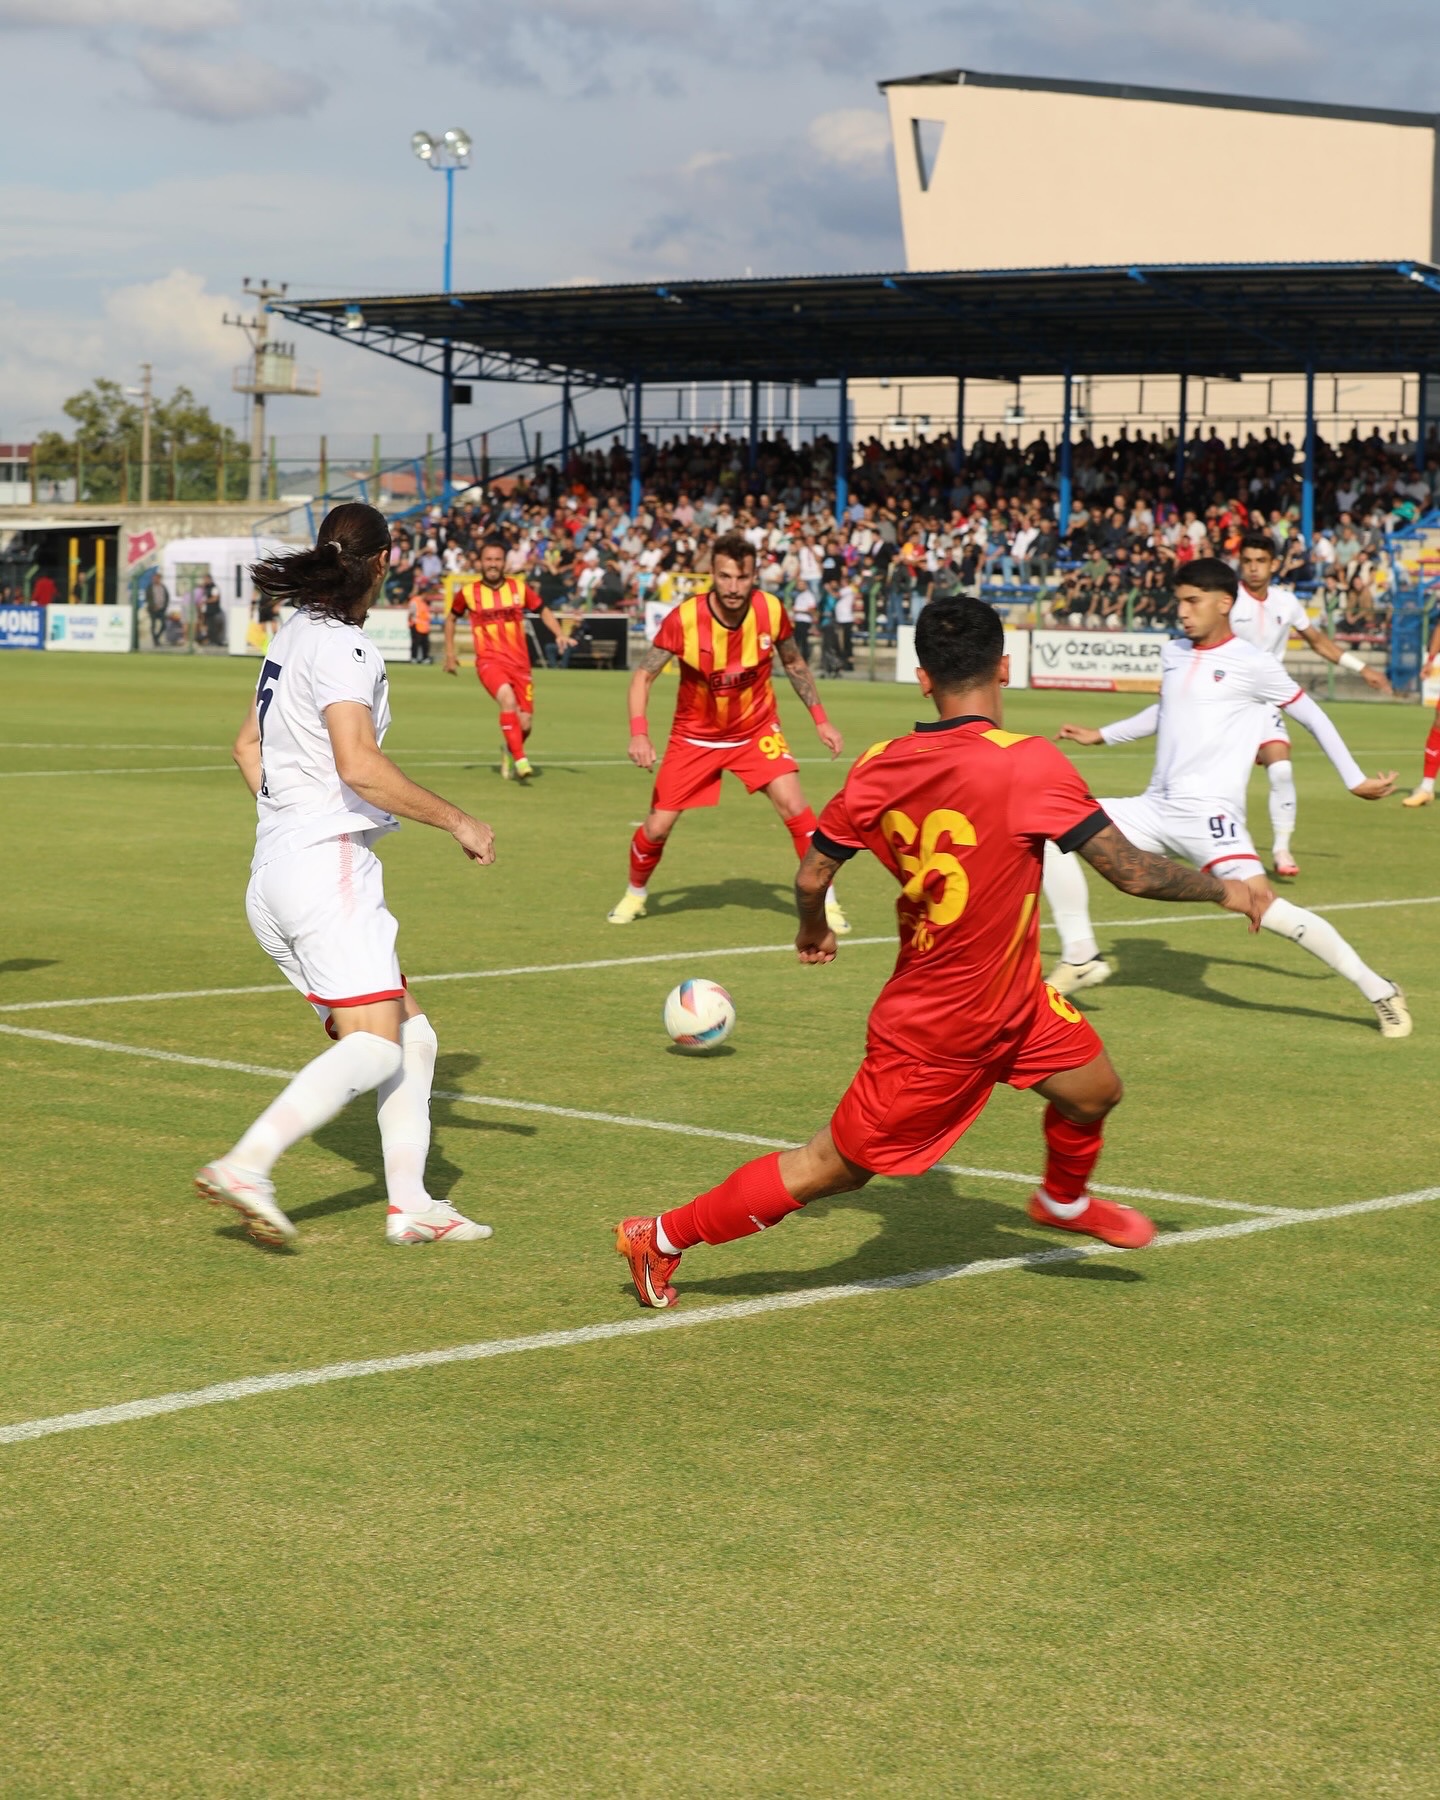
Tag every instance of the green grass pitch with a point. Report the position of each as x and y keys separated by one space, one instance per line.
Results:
x=1160 y=1524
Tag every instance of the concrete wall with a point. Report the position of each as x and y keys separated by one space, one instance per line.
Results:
x=1035 y=179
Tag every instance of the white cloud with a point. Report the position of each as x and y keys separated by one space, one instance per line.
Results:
x=854 y=138
x=224 y=93
x=705 y=159
x=175 y=317
x=181 y=17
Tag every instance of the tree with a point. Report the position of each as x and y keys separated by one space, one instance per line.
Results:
x=188 y=449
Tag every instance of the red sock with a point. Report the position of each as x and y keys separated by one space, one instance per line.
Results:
x=645 y=854
x=802 y=829
x=750 y=1200
x=1432 y=753
x=1072 y=1152
x=514 y=737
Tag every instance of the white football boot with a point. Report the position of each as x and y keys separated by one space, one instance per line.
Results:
x=1393 y=1015
x=252 y=1196
x=436 y=1223
x=1073 y=978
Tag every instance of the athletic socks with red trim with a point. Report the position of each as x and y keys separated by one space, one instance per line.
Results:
x=802 y=828
x=1320 y=938
x=645 y=854
x=1432 y=757
x=403 y=1110
x=750 y=1200
x=514 y=737
x=1071 y=1153
x=1282 y=805
x=323 y=1088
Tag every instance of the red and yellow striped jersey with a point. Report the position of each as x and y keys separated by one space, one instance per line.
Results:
x=725 y=686
x=497 y=617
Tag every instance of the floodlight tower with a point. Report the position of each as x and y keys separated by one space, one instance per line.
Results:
x=449 y=152
x=271 y=370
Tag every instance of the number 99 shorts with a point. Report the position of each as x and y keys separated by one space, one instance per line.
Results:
x=321 y=914
x=901 y=1114
x=690 y=771
x=1209 y=834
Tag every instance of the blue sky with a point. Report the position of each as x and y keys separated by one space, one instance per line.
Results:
x=157 y=151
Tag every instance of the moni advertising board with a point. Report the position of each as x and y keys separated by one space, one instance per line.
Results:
x=1107 y=662
x=109 y=628
x=22 y=627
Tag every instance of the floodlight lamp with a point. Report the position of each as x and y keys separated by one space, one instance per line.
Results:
x=458 y=143
x=423 y=145
x=354 y=319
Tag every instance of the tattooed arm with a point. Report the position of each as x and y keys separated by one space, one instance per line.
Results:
x=642 y=751
x=1152 y=877
x=815 y=941
x=803 y=683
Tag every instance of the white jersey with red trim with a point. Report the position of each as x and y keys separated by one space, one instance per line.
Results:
x=1212 y=709
x=1268 y=623
x=310 y=664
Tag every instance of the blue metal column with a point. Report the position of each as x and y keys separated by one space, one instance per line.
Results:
x=636 y=483
x=842 y=452
x=1066 y=484
x=1307 y=486
x=1421 y=426
x=1183 y=432
x=959 y=457
x=754 y=427
x=447 y=369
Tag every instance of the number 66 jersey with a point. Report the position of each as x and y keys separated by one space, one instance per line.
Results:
x=959 y=812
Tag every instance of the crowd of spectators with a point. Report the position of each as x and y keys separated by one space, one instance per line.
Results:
x=921 y=522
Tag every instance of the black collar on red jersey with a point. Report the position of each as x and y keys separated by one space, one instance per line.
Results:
x=950 y=724
x=739 y=623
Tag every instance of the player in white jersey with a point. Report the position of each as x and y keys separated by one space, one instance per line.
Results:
x=1214 y=692
x=1265 y=615
x=324 y=792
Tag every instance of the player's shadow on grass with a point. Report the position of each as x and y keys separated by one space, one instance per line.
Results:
x=929 y=1222
x=355 y=1136
x=22 y=965
x=739 y=890
x=1148 y=963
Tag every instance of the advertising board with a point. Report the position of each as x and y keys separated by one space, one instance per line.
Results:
x=1108 y=662
x=387 y=627
x=108 y=628
x=22 y=627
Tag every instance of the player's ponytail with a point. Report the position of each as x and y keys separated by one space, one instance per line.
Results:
x=333 y=578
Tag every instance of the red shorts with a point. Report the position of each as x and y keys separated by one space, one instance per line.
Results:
x=900 y=1115
x=495 y=673
x=689 y=773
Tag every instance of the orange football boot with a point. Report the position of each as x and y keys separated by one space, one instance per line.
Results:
x=650 y=1267
x=1104 y=1219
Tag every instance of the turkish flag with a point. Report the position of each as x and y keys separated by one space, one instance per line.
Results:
x=142 y=544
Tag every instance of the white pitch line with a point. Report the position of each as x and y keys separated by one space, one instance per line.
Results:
x=664 y=956
x=249 y=1387
x=456 y=760
x=623 y=1121
x=139 y=769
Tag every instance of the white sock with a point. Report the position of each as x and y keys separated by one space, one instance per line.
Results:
x=402 y=1105
x=830 y=894
x=663 y=1241
x=356 y=1064
x=1069 y=899
x=1063 y=1209
x=1427 y=783
x=639 y=893
x=1320 y=938
x=1282 y=805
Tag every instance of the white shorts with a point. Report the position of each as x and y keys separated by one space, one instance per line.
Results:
x=1212 y=837
x=321 y=914
x=1276 y=730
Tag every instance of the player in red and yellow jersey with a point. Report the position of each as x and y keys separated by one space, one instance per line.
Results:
x=496 y=606
x=725 y=716
x=958 y=812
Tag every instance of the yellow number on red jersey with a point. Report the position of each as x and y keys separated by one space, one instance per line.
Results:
x=936 y=887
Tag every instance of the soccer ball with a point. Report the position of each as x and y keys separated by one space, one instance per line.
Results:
x=699 y=1015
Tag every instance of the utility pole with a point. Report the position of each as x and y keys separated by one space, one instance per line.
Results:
x=272 y=371
x=146 y=402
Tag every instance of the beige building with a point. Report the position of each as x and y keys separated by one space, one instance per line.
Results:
x=1006 y=172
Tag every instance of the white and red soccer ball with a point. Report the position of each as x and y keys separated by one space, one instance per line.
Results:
x=699 y=1015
